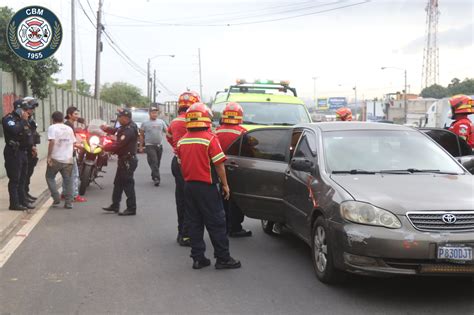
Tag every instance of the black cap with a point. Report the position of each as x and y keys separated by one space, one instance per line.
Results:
x=124 y=112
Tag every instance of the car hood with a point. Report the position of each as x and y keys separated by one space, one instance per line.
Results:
x=410 y=192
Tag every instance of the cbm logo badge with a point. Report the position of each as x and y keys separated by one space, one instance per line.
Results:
x=34 y=33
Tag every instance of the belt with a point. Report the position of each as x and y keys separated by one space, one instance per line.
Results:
x=126 y=156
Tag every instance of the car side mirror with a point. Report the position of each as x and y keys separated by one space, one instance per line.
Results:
x=467 y=162
x=302 y=164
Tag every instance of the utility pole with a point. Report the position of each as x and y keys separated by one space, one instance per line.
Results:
x=73 y=47
x=405 y=99
x=355 y=101
x=154 y=87
x=148 y=92
x=200 y=73
x=98 y=50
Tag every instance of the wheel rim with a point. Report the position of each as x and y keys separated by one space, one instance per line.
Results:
x=264 y=224
x=320 y=249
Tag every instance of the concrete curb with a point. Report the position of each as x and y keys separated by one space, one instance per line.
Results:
x=14 y=219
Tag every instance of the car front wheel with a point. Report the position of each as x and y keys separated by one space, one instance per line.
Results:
x=322 y=254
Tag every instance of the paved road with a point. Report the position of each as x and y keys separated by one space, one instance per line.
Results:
x=87 y=261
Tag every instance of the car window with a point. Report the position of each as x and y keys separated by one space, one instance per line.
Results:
x=465 y=148
x=446 y=139
x=307 y=146
x=233 y=149
x=270 y=144
x=376 y=150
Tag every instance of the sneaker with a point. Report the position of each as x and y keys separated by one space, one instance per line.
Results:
x=229 y=263
x=80 y=199
x=156 y=182
x=56 y=202
x=63 y=197
x=201 y=263
x=276 y=228
x=67 y=206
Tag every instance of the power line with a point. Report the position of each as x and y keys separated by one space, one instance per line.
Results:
x=85 y=13
x=90 y=7
x=152 y=24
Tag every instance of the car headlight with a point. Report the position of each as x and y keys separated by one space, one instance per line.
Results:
x=94 y=141
x=364 y=213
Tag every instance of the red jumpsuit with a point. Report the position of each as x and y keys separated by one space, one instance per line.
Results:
x=465 y=129
x=227 y=133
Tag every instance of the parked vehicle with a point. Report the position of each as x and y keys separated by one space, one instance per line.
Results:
x=438 y=115
x=378 y=199
x=92 y=158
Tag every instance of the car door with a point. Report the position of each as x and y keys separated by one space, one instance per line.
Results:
x=256 y=174
x=298 y=187
x=445 y=138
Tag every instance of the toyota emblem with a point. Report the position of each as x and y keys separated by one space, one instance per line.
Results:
x=449 y=218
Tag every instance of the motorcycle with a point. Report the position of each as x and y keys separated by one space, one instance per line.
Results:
x=92 y=158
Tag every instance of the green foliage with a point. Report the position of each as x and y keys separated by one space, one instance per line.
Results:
x=83 y=87
x=434 y=91
x=123 y=93
x=455 y=87
x=38 y=73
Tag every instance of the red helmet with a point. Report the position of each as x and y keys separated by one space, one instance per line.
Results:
x=232 y=114
x=461 y=104
x=187 y=99
x=198 y=115
x=344 y=114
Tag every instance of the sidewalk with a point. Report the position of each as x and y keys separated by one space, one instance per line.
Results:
x=10 y=220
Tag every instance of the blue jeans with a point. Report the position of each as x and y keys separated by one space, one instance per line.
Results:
x=66 y=173
x=75 y=179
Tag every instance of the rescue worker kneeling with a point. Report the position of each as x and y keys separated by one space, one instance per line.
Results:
x=202 y=159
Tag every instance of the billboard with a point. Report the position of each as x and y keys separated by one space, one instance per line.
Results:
x=337 y=102
x=322 y=103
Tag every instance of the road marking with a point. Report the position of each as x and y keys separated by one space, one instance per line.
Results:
x=7 y=251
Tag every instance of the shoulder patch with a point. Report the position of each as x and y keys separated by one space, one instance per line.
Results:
x=11 y=123
x=122 y=137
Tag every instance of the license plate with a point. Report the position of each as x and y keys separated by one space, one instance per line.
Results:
x=455 y=253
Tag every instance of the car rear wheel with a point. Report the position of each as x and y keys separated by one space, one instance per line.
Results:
x=321 y=248
x=267 y=227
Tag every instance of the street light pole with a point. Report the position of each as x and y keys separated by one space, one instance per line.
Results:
x=355 y=100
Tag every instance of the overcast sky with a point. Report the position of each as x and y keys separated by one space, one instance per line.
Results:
x=343 y=48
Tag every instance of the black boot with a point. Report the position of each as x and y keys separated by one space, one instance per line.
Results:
x=28 y=205
x=229 y=263
x=18 y=208
x=201 y=263
x=111 y=208
x=128 y=212
x=241 y=233
x=31 y=197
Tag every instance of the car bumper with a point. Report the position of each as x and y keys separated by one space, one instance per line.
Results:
x=380 y=251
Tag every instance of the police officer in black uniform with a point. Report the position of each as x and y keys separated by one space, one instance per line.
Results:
x=32 y=151
x=126 y=149
x=18 y=138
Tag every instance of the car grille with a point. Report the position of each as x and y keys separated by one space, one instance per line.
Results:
x=433 y=220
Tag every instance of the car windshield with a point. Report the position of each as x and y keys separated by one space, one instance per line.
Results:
x=140 y=116
x=269 y=113
x=385 y=151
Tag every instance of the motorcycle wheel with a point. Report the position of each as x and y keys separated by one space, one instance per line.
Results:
x=85 y=179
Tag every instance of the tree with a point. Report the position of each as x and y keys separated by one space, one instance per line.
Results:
x=461 y=87
x=123 y=93
x=83 y=87
x=434 y=91
x=37 y=73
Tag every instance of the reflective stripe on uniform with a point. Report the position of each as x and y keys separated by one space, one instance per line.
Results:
x=218 y=157
x=179 y=119
x=237 y=132
x=194 y=141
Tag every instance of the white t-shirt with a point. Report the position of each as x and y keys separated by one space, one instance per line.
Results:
x=64 y=139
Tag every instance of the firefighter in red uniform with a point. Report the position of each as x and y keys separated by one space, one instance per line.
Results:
x=344 y=114
x=229 y=130
x=175 y=132
x=202 y=165
x=461 y=107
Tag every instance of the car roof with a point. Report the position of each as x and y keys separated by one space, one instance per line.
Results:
x=353 y=125
x=259 y=98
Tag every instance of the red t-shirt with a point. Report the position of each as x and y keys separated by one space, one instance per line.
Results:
x=198 y=151
x=176 y=130
x=228 y=133
x=464 y=128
